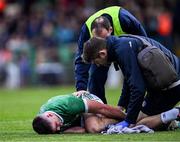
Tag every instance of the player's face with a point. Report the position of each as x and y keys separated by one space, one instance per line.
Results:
x=54 y=120
x=103 y=33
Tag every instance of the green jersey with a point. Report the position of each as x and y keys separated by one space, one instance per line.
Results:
x=67 y=107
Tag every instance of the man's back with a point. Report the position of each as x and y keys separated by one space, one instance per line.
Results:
x=124 y=41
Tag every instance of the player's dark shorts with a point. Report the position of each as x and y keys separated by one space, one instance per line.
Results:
x=160 y=101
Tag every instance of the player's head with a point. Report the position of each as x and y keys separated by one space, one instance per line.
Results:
x=46 y=123
x=95 y=51
x=101 y=27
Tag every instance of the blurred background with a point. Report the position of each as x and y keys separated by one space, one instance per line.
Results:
x=38 y=38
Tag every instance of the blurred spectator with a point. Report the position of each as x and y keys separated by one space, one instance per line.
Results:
x=164 y=28
x=13 y=76
x=6 y=56
x=64 y=31
x=49 y=69
x=25 y=69
x=19 y=46
x=2 y=6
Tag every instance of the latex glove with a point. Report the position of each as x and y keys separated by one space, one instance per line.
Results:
x=122 y=124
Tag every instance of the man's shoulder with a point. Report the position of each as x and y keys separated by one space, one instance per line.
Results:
x=121 y=44
x=120 y=39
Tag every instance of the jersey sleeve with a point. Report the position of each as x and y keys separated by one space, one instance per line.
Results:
x=75 y=105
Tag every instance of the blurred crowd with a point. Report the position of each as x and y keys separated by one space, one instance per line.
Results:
x=38 y=37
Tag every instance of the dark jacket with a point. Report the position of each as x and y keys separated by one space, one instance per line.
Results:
x=129 y=24
x=124 y=50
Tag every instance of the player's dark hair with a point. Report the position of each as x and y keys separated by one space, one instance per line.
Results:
x=42 y=125
x=100 y=22
x=92 y=48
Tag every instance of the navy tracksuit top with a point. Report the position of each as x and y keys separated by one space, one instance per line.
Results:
x=129 y=24
x=124 y=50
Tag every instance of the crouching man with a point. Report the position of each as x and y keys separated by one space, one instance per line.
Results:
x=147 y=66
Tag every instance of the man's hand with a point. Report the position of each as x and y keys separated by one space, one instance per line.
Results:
x=80 y=93
x=122 y=124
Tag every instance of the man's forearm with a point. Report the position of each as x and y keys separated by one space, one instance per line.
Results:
x=81 y=76
x=106 y=110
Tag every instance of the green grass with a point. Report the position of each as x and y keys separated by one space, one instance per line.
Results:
x=18 y=107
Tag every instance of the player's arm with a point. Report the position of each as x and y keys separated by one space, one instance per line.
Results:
x=95 y=123
x=106 y=110
x=75 y=130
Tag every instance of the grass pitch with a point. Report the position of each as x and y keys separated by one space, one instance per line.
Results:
x=18 y=107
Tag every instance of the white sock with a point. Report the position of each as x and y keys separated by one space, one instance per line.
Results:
x=169 y=115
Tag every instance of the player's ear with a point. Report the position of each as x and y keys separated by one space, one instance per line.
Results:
x=103 y=53
x=110 y=30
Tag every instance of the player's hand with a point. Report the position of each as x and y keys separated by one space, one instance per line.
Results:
x=80 y=93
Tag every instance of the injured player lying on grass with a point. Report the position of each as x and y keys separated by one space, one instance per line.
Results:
x=73 y=114
x=81 y=114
